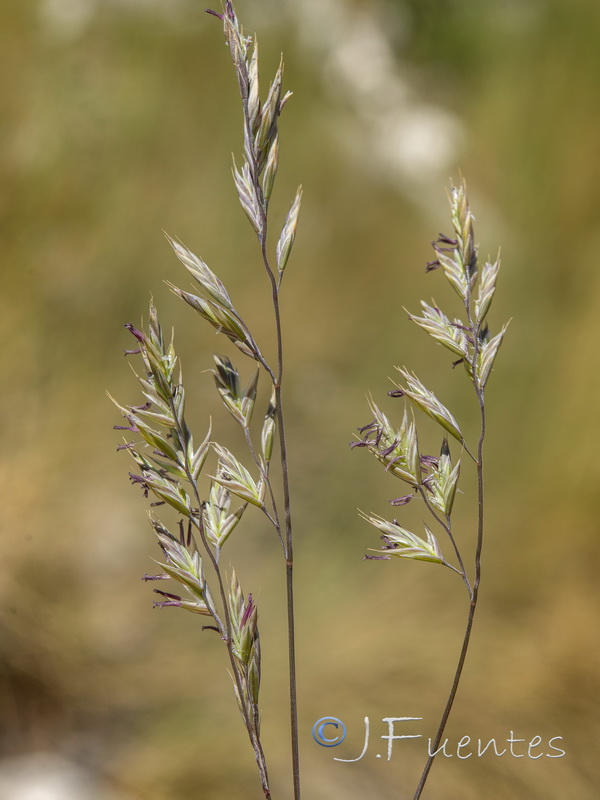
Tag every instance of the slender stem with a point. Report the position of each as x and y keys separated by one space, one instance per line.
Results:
x=253 y=163
x=469 y=453
x=452 y=567
x=289 y=572
x=253 y=345
x=450 y=702
x=288 y=538
x=480 y=530
x=472 y=605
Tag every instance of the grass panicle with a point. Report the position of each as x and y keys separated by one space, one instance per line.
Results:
x=212 y=499
x=434 y=479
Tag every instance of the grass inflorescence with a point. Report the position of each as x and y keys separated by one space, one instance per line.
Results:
x=210 y=487
x=207 y=485
x=434 y=479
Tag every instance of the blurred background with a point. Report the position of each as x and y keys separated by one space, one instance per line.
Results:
x=118 y=120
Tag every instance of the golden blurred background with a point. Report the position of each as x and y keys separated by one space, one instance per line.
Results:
x=118 y=118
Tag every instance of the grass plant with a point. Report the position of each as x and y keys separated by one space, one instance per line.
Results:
x=434 y=479
x=210 y=488
x=170 y=464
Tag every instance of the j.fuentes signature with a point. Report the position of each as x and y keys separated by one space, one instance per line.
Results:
x=331 y=732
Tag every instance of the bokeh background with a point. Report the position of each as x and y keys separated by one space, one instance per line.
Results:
x=118 y=118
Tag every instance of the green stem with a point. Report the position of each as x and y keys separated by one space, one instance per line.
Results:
x=475 y=591
x=472 y=605
x=288 y=538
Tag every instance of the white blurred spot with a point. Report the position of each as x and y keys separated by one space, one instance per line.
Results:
x=363 y=58
x=397 y=135
x=67 y=18
x=419 y=141
x=50 y=777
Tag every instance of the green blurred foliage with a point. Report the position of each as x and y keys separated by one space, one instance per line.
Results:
x=118 y=124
